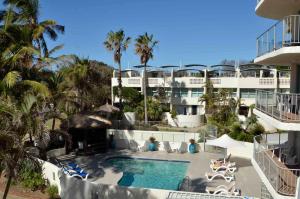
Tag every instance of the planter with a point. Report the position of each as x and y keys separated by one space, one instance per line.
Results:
x=192 y=148
x=152 y=147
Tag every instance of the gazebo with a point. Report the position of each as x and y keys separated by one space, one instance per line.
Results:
x=88 y=133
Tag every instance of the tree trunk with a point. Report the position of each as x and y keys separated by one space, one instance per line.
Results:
x=53 y=123
x=7 y=185
x=145 y=94
x=120 y=86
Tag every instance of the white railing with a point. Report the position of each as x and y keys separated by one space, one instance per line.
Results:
x=266 y=81
x=284 y=33
x=282 y=106
x=282 y=178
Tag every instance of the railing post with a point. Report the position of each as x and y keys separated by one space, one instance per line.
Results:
x=274 y=47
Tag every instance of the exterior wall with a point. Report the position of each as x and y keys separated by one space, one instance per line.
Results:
x=52 y=173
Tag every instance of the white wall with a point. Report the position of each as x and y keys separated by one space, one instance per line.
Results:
x=188 y=121
x=52 y=173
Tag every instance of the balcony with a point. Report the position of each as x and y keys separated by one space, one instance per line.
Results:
x=281 y=106
x=279 y=110
x=276 y=9
x=282 y=177
x=280 y=44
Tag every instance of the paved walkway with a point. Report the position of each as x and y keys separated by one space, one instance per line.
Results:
x=247 y=180
x=11 y=197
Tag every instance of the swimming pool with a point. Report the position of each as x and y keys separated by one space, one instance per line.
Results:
x=149 y=173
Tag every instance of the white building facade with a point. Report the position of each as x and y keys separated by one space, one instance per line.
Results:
x=277 y=159
x=185 y=85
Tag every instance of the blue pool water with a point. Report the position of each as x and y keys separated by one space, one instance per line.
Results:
x=156 y=174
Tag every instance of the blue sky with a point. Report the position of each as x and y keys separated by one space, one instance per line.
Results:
x=189 y=31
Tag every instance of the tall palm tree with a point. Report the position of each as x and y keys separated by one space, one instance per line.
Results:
x=117 y=42
x=13 y=130
x=144 y=47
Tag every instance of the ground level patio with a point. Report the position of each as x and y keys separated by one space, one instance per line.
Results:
x=247 y=180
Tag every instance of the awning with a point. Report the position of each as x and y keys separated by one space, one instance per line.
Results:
x=225 y=142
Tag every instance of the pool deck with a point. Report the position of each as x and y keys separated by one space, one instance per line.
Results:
x=247 y=180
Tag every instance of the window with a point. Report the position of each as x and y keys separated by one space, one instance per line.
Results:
x=184 y=92
x=248 y=93
x=180 y=92
x=197 y=92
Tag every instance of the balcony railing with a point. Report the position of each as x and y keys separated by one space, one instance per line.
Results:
x=282 y=178
x=281 y=106
x=283 y=34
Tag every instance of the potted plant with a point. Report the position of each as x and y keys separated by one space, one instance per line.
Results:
x=192 y=147
x=152 y=146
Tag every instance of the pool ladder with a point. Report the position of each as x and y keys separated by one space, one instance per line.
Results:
x=185 y=184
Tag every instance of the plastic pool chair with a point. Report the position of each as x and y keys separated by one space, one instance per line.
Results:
x=183 y=147
x=228 y=190
x=225 y=175
x=83 y=175
x=167 y=147
x=230 y=167
x=133 y=145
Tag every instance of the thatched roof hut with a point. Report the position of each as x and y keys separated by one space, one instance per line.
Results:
x=88 y=132
x=82 y=121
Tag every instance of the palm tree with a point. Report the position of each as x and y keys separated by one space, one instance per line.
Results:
x=144 y=47
x=26 y=13
x=117 y=42
x=13 y=130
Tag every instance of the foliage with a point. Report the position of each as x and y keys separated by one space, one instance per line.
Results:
x=132 y=98
x=155 y=110
x=173 y=113
x=31 y=176
x=221 y=107
x=52 y=191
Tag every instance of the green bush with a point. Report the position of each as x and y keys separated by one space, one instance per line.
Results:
x=52 y=192
x=256 y=129
x=31 y=177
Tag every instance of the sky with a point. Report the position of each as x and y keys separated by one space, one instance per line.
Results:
x=188 y=31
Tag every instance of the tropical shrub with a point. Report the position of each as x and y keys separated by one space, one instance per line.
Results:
x=154 y=108
x=52 y=192
x=30 y=176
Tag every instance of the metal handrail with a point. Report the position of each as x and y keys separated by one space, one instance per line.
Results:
x=277 y=175
x=282 y=106
x=283 y=33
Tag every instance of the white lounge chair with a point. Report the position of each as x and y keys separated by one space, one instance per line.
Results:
x=133 y=145
x=222 y=160
x=143 y=145
x=229 y=166
x=226 y=175
x=223 y=168
x=167 y=147
x=183 y=147
x=228 y=190
x=175 y=146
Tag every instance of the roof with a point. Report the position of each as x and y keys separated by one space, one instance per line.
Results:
x=82 y=121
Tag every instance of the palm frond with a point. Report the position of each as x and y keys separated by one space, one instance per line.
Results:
x=37 y=87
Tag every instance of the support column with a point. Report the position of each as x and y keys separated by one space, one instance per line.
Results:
x=295 y=79
x=276 y=80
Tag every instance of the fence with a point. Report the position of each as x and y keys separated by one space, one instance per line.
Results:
x=282 y=106
x=282 y=179
x=284 y=33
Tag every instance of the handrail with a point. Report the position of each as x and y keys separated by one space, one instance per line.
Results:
x=283 y=33
x=282 y=179
x=282 y=106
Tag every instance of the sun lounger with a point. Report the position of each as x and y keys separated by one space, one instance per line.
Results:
x=228 y=190
x=217 y=166
x=223 y=168
x=224 y=160
x=143 y=145
x=167 y=147
x=175 y=146
x=133 y=145
x=183 y=147
x=225 y=175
